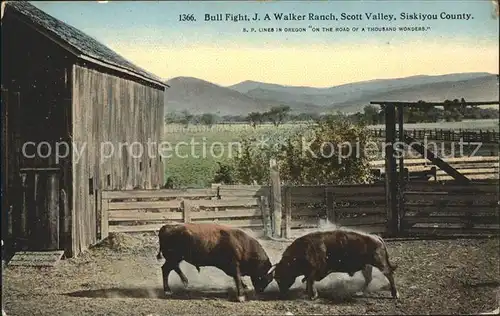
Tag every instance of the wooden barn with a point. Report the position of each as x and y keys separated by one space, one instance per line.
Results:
x=60 y=88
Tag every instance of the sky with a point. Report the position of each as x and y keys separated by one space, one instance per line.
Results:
x=149 y=34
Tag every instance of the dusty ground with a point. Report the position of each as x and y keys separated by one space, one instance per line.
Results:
x=124 y=278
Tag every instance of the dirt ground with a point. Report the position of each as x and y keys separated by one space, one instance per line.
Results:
x=123 y=277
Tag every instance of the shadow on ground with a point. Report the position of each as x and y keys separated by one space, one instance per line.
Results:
x=331 y=295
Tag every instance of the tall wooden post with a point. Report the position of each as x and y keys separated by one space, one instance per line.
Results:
x=390 y=169
x=401 y=180
x=275 y=197
x=288 y=212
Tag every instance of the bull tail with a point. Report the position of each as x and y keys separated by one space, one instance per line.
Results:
x=393 y=266
x=159 y=256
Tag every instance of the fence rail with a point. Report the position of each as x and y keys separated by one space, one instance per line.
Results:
x=474 y=168
x=483 y=136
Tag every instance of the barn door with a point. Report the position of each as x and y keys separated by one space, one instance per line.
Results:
x=10 y=162
x=5 y=162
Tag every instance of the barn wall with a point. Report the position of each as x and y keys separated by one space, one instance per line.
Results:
x=111 y=112
x=40 y=71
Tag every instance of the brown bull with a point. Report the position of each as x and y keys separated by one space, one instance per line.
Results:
x=318 y=254
x=207 y=244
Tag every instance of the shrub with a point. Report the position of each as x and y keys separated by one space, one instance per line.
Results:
x=305 y=155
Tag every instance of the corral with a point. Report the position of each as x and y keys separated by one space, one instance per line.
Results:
x=122 y=276
x=434 y=277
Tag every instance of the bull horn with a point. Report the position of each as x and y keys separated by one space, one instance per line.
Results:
x=271 y=270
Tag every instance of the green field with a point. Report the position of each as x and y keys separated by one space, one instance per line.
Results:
x=195 y=165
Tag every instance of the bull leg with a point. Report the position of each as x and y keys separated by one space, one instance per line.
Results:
x=383 y=265
x=310 y=288
x=244 y=286
x=182 y=276
x=394 y=291
x=367 y=274
x=166 y=268
x=238 y=282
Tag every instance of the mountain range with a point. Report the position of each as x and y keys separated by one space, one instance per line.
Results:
x=199 y=96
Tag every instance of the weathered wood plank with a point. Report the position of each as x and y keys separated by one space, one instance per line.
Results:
x=418 y=161
x=288 y=212
x=104 y=219
x=362 y=220
x=338 y=190
x=160 y=193
x=241 y=223
x=134 y=205
x=36 y=258
x=410 y=220
x=330 y=206
x=236 y=202
x=450 y=208
x=226 y=214
x=306 y=211
x=186 y=211
x=137 y=228
x=242 y=190
x=308 y=199
x=266 y=216
x=445 y=196
x=452 y=231
x=479 y=170
x=361 y=209
x=155 y=227
x=138 y=215
x=274 y=179
x=438 y=187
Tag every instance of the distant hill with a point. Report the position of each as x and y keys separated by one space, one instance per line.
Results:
x=475 y=89
x=343 y=94
x=200 y=96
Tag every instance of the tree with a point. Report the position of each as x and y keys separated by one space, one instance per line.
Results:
x=207 y=119
x=171 y=117
x=278 y=114
x=371 y=114
x=186 y=118
x=254 y=118
x=224 y=174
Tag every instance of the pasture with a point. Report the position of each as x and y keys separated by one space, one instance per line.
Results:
x=195 y=165
x=123 y=277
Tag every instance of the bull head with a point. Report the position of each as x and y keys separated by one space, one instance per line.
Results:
x=281 y=276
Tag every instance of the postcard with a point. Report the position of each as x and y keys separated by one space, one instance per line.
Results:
x=249 y=157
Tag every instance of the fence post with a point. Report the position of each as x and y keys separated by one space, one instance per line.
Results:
x=288 y=212
x=266 y=220
x=104 y=219
x=331 y=215
x=186 y=211
x=275 y=196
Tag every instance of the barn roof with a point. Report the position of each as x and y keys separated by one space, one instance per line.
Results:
x=77 y=42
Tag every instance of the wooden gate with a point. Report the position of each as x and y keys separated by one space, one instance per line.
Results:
x=451 y=209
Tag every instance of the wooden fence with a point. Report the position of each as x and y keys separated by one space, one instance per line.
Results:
x=148 y=210
x=428 y=208
x=483 y=136
x=474 y=168
x=441 y=209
